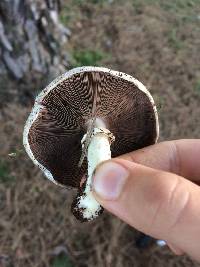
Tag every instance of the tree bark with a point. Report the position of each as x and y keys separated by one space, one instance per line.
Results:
x=32 y=39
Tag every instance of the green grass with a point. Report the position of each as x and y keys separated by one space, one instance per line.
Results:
x=80 y=2
x=70 y=13
x=176 y=5
x=159 y=101
x=174 y=40
x=74 y=9
x=66 y=15
x=87 y=58
x=197 y=86
x=61 y=261
x=186 y=10
x=5 y=176
x=170 y=5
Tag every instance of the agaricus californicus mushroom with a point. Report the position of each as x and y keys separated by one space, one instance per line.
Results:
x=82 y=118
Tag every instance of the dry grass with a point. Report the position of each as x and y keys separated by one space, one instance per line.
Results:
x=36 y=221
x=36 y=224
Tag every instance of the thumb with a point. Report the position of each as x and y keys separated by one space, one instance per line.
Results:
x=158 y=203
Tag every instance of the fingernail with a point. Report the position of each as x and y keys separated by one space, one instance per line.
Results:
x=109 y=180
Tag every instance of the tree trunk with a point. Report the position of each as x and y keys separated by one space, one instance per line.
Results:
x=32 y=39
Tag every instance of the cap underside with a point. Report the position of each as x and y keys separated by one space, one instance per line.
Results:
x=54 y=137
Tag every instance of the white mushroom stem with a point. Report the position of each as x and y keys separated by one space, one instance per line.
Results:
x=98 y=151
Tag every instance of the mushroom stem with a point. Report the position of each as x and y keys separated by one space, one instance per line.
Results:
x=98 y=151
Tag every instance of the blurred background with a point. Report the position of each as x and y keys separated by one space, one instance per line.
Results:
x=156 y=41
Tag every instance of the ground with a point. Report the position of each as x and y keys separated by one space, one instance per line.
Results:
x=155 y=41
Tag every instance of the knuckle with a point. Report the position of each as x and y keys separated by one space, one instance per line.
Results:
x=163 y=187
x=174 y=158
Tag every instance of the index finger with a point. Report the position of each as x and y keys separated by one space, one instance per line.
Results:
x=179 y=156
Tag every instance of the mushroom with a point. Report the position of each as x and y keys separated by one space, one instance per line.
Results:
x=79 y=120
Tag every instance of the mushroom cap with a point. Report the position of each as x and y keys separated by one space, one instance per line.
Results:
x=63 y=110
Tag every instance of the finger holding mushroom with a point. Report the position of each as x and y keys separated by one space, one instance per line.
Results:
x=86 y=116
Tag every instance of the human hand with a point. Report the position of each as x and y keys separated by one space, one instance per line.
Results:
x=161 y=197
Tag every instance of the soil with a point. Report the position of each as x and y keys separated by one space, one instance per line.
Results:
x=158 y=44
